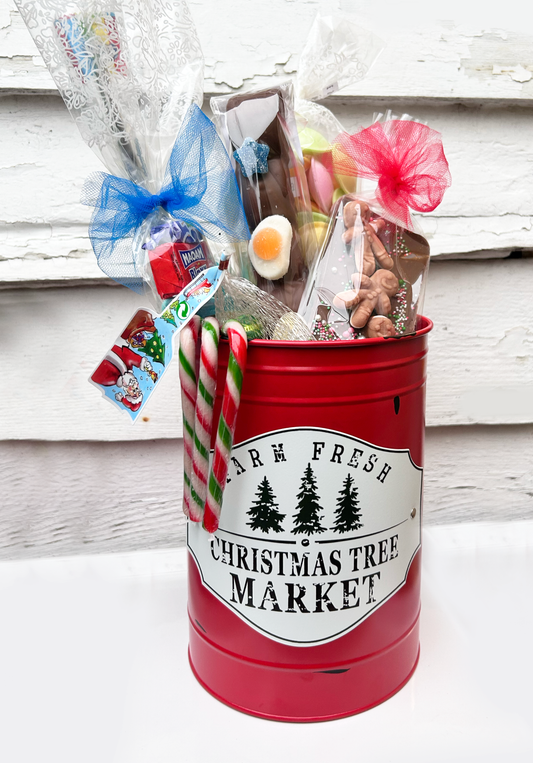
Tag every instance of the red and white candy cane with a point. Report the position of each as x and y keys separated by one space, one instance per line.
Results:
x=238 y=346
x=203 y=421
x=187 y=375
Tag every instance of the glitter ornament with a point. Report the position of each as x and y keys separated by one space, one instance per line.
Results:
x=252 y=158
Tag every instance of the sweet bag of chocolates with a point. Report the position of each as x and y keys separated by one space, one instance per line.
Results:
x=370 y=277
x=260 y=134
x=131 y=75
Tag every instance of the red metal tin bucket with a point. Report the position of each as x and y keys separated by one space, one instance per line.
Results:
x=312 y=622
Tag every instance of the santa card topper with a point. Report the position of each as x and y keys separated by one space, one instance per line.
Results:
x=132 y=368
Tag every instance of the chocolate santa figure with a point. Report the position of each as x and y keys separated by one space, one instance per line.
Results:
x=117 y=369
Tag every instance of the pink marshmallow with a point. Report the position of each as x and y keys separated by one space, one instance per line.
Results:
x=320 y=185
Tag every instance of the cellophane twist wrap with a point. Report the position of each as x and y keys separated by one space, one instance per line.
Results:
x=199 y=188
x=406 y=158
x=127 y=70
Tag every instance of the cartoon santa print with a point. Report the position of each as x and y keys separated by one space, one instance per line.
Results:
x=117 y=368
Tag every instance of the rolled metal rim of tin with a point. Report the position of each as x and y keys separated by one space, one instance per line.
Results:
x=425 y=326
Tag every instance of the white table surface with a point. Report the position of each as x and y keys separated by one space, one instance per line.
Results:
x=93 y=666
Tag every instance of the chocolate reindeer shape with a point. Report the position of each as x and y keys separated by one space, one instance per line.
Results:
x=393 y=265
x=380 y=269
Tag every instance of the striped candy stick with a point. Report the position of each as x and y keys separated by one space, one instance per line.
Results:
x=187 y=375
x=203 y=421
x=238 y=345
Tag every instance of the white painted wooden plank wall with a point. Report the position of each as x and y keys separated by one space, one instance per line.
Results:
x=489 y=207
x=461 y=50
x=66 y=457
x=480 y=362
x=68 y=498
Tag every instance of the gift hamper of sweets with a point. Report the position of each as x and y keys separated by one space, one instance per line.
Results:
x=300 y=416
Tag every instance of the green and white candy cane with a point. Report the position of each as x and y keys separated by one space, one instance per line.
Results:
x=238 y=347
x=203 y=420
x=187 y=375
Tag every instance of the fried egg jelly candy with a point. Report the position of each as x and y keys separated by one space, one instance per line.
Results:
x=260 y=134
x=270 y=247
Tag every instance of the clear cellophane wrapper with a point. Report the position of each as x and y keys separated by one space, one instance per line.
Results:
x=370 y=278
x=337 y=53
x=128 y=71
x=259 y=131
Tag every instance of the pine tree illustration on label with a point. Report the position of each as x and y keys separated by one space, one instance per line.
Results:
x=307 y=519
x=347 y=515
x=319 y=529
x=265 y=515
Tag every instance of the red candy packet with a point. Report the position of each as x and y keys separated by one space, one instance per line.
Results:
x=176 y=253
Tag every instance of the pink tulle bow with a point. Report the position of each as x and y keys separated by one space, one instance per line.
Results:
x=407 y=160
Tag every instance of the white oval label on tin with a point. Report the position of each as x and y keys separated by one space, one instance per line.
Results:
x=318 y=530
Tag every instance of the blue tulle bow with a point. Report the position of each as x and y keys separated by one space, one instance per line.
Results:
x=200 y=188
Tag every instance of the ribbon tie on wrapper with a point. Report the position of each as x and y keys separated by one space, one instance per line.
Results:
x=199 y=188
x=407 y=160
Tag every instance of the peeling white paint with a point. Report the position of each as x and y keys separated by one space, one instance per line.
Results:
x=38 y=61
x=517 y=342
x=424 y=57
x=517 y=73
